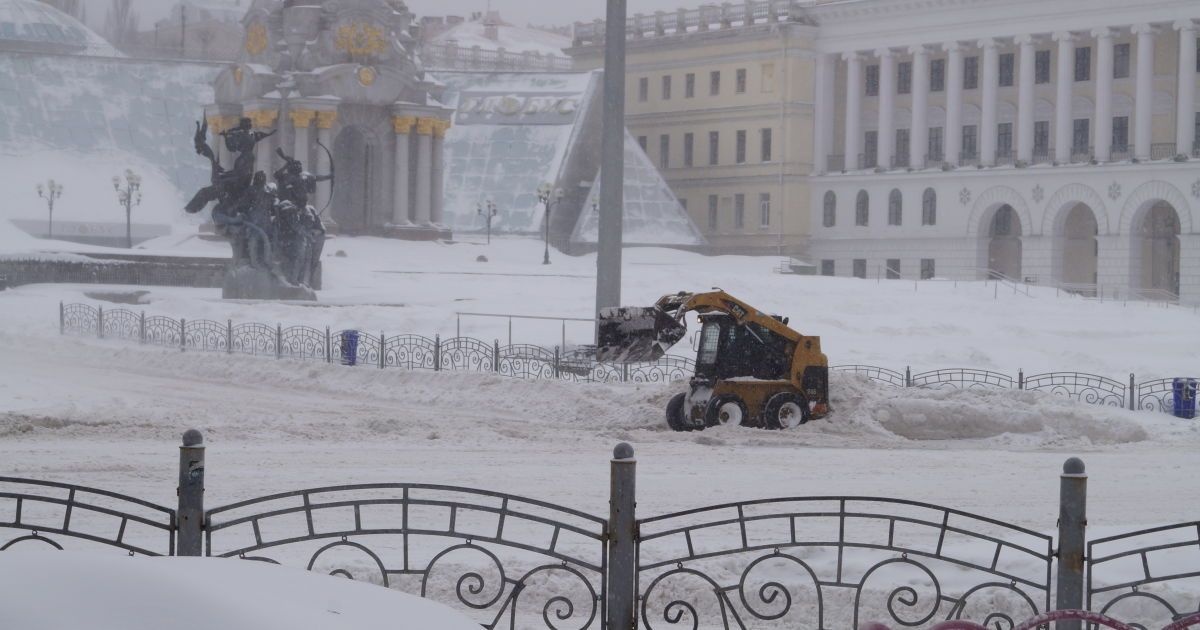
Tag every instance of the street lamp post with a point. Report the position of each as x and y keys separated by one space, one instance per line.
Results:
x=547 y=194
x=50 y=192
x=129 y=196
x=491 y=212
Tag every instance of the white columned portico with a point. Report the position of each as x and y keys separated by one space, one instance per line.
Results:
x=1064 y=79
x=854 y=91
x=1102 y=139
x=302 y=120
x=1185 y=106
x=952 y=134
x=886 y=145
x=437 y=182
x=987 y=122
x=1025 y=99
x=424 y=208
x=1143 y=110
x=918 y=140
x=823 y=116
x=402 y=126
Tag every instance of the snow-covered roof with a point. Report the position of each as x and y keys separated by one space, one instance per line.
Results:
x=34 y=26
x=514 y=39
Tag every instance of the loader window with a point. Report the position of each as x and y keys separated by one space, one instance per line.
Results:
x=710 y=339
x=756 y=352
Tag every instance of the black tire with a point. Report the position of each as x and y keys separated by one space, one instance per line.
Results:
x=786 y=410
x=675 y=418
x=721 y=410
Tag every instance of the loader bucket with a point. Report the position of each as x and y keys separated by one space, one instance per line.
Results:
x=635 y=334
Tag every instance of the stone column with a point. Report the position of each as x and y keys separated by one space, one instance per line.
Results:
x=987 y=123
x=1064 y=79
x=1025 y=100
x=952 y=134
x=403 y=126
x=918 y=137
x=823 y=136
x=1185 y=106
x=264 y=121
x=1189 y=268
x=854 y=92
x=438 y=155
x=325 y=122
x=302 y=119
x=424 y=210
x=1143 y=109
x=886 y=146
x=1102 y=140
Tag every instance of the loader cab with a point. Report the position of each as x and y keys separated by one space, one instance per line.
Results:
x=728 y=350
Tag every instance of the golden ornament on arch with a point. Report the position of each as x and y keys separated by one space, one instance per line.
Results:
x=256 y=38
x=366 y=76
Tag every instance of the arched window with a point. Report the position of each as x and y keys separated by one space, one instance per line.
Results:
x=929 y=207
x=895 y=207
x=830 y=209
x=861 y=211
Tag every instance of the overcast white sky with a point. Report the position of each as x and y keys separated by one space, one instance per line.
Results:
x=516 y=11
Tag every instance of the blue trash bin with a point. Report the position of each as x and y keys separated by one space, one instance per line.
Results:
x=349 y=347
x=1184 y=390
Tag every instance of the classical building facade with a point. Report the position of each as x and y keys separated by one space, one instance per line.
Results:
x=1050 y=141
x=340 y=74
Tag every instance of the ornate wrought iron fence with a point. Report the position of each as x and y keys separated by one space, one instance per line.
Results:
x=1088 y=388
x=508 y=561
x=1157 y=395
x=55 y=514
x=1142 y=576
x=785 y=560
x=962 y=378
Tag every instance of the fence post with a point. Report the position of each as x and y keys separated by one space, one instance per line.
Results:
x=278 y=341
x=229 y=336
x=182 y=336
x=556 y=351
x=1072 y=521
x=381 y=348
x=1021 y=378
x=908 y=376
x=437 y=353
x=328 y=347
x=142 y=327
x=622 y=540
x=62 y=319
x=496 y=356
x=100 y=322
x=624 y=372
x=191 y=495
x=1132 y=391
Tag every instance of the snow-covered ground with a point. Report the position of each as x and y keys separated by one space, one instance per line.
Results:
x=109 y=414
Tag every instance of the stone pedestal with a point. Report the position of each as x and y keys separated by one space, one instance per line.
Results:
x=417 y=232
x=250 y=283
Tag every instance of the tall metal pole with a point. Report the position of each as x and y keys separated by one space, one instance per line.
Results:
x=612 y=160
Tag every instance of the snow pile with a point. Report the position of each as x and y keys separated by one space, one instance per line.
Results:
x=114 y=592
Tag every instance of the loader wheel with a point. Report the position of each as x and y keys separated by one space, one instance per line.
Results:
x=786 y=410
x=675 y=418
x=726 y=410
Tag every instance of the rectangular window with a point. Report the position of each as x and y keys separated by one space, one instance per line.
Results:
x=712 y=213
x=937 y=75
x=1120 y=133
x=643 y=142
x=739 y=156
x=904 y=77
x=1041 y=66
x=1081 y=132
x=764 y=210
x=768 y=78
x=765 y=137
x=664 y=151
x=860 y=268
x=873 y=80
x=893 y=269
x=666 y=87
x=740 y=77
x=689 y=85
x=714 y=147
x=970 y=73
x=714 y=83
x=1121 y=61
x=1198 y=54
x=1083 y=63
x=927 y=272
x=739 y=211
x=827 y=268
x=689 y=142
x=1041 y=138
x=934 y=150
x=970 y=142
x=643 y=89
x=1196 y=133
x=901 y=157
x=1007 y=63
x=870 y=149
x=1004 y=140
